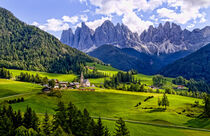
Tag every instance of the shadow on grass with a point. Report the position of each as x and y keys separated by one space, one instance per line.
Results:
x=199 y=123
x=157 y=110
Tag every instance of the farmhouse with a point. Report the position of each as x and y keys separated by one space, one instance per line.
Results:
x=180 y=87
x=63 y=84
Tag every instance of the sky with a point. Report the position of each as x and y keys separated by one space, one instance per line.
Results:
x=54 y=16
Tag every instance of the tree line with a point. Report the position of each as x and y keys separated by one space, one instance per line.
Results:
x=120 y=78
x=192 y=85
x=67 y=121
x=4 y=73
x=93 y=74
x=26 y=77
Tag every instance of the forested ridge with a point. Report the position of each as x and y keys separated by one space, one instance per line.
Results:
x=195 y=66
x=27 y=47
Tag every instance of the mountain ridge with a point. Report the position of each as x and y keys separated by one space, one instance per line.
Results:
x=164 y=39
x=128 y=58
x=195 y=65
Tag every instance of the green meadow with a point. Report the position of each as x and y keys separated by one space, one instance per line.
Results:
x=9 y=88
x=115 y=103
x=110 y=103
x=60 y=77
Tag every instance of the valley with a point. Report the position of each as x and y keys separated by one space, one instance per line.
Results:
x=111 y=103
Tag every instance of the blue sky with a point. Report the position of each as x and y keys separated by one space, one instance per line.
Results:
x=54 y=16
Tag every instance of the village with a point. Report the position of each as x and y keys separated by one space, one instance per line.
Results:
x=83 y=85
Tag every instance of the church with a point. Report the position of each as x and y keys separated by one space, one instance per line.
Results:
x=84 y=82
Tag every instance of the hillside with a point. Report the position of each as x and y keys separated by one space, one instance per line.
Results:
x=119 y=59
x=195 y=65
x=128 y=58
x=27 y=47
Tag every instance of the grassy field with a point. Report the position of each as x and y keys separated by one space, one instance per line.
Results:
x=60 y=77
x=114 y=104
x=9 y=87
x=148 y=130
x=102 y=67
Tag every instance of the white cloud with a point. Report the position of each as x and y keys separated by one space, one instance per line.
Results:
x=190 y=26
x=189 y=10
x=52 y=25
x=83 y=1
x=134 y=23
x=127 y=9
x=35 y=23
x=83 y=18
x=96 y=23
x=72 y=20
x=153 y=18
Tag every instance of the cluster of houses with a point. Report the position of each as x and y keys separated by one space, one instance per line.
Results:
x=69 y=85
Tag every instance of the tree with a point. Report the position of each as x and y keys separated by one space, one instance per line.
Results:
x=30 y=119
x=46 y=128
x=159 y=80
x=60 y=132
x=121 y=129
x=207 y=106
x=159 y=102
x=99 y=128
x=106 y=133
x=52 y=83
x=21 y=131
x=165 y=101
x=45 y=81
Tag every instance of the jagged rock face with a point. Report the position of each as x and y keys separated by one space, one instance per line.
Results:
x=105 y=33
x=83 y=37
x=164 y=39
x=67 y=37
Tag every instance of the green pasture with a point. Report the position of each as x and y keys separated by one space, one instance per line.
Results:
x=60 y=77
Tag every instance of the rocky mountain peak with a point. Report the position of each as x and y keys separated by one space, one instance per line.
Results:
x=165 y=38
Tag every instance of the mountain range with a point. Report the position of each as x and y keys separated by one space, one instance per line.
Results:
x=164 y=39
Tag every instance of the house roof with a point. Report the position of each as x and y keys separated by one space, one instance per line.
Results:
x=85 y=81
x=63 y=82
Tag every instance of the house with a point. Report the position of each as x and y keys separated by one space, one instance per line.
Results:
x=74 y=85
x=63 y=84
x=56 y=86
x=46 y=90
x=180 y=87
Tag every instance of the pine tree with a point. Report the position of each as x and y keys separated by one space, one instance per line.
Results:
x=30 y=119
x=106 y=132
x=60 y=118
x=60 y=132
x=19 y=119
x=99 y=129
x=121 y=129
x=46 y=128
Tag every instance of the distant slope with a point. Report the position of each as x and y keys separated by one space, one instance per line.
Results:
x=121 y=59
x=129 y=58
x=27 y=47
x=195 y=65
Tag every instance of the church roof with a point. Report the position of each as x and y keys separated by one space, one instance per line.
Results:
x=85 y=81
